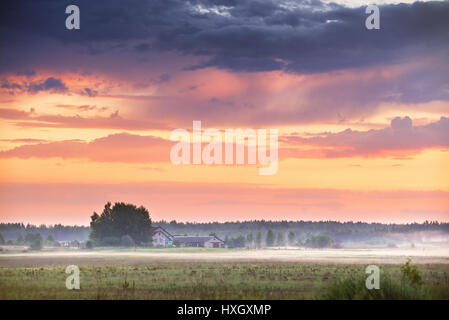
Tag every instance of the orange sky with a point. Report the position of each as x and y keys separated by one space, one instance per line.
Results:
x=363 y=115
x=90 y=142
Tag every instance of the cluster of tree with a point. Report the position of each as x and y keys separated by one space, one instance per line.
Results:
x=121 y=224
x=279 y=239
x=32 y=239
x=298 y=232
x=319 y=241
x=58 y=232
x=236 y=242
x=35 y=241
x=127 y=225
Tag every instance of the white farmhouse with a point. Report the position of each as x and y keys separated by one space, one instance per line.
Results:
x=161 y=237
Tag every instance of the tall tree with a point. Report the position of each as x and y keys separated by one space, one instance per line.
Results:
x=259 y=239
x=291 y=238
x=50 y=239
x=280 y=239
x=270 y=238
x=249 y=239
x=120 y=220
x=20 y=239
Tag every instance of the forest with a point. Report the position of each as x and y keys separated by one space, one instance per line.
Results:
x=345 y=233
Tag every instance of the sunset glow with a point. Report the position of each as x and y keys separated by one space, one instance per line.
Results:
x=87 y=118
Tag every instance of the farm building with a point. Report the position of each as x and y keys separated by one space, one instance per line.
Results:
x=162 y=237
x=198 y=241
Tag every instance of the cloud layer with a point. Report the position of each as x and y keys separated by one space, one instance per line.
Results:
x=252 y=35
x=400 y=138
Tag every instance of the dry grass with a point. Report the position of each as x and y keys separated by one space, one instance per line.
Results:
x=201 y=273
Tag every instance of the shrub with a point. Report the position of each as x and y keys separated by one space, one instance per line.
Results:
x=336 y=245
x=31 y=237
x=2 y=240
x=354 y=288
x=36 y=244
x=411 y=273
x=75 y=243
x=127 y=241
x=89 y=244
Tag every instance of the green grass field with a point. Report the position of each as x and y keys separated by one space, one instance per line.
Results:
x=202 y=280
x=199 y=273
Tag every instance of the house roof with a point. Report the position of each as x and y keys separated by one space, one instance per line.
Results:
x=156 y=229
x=195 y=239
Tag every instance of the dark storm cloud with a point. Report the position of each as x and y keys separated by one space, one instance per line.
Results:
x=50 y=84
x=10 y=85
x=27 y=73
x=251 y=35
x=90 y=92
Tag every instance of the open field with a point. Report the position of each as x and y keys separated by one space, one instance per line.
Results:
x=193 y=280
x=16 y=257
x=190 y=273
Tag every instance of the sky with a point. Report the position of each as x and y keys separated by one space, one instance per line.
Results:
x=363 y=115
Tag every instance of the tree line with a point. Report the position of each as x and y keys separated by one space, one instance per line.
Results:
x=128 y=225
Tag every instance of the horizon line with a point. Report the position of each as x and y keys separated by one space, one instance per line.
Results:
x=248 y=221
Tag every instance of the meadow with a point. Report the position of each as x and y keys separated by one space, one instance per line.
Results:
x=170 y=274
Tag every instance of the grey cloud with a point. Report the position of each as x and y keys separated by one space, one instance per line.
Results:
x=90 y=92
x=10 y=85
x=50 y=84
x=250 y=35
x=27 y=73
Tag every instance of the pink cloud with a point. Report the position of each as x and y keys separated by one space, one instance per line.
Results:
x=114 y=121
x=400 y=140
x=122 y=147
x=401 y=136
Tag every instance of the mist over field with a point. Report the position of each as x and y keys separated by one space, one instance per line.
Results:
x=262 y=260
x=347 y=234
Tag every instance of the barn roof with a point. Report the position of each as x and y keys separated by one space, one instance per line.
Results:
x=195 y=239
